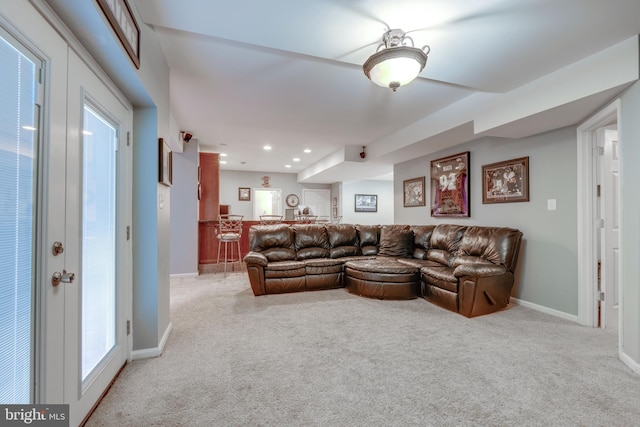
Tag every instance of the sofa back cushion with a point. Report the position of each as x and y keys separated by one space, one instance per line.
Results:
x=311 y=241
x=499 y=245
x=343 y=240
x=369 y=237
x=396 y=241
x=276 y=242
x=421 y=238
x=444 y=243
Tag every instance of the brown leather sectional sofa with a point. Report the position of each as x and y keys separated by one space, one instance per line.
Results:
x=466 y=269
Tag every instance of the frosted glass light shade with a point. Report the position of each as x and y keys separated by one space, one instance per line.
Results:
x=396 y=66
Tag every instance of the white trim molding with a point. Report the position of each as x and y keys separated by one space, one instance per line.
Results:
x=632 y=364
x=153 y=352
x=180 y=275
x=546 y=310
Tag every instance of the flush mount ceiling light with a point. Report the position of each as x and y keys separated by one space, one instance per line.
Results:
x=396 y=64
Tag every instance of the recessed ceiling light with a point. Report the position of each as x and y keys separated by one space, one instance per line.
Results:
x=296 y=159
x=32 y=128
x=223 y=154
x=287 y=166
x=306 y=150
x=266 y=147
x=223 y=162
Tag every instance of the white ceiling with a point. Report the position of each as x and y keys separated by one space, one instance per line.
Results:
x=288 y=73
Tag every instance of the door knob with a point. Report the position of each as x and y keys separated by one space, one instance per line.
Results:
x=63 y=277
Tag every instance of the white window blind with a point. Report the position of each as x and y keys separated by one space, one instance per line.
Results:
x=18 y=137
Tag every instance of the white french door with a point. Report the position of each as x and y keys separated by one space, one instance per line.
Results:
x=65 y=200
x=97 y=246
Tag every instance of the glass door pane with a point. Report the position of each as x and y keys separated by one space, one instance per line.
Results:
x=99 y=144
x=18 y=167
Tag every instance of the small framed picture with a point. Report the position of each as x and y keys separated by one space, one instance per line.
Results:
x=366 y=203
x=244 y=194
x=165 y=163
x=505 y=182
x=414 y=192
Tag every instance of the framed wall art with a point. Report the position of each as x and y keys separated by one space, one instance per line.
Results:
x=244 y=194
x=506 y=181
x=366 y=203
x=165 y=163
x=124 y=24
x=450 y=186
x=413 y=190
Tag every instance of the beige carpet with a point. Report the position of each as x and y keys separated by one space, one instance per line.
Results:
x=329 y=358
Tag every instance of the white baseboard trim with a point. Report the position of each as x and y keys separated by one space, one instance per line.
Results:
x=174 y=276
x=153 y=352
x=546 y=310
x=632 y=364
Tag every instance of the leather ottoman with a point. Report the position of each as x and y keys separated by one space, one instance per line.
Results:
x=382 y=278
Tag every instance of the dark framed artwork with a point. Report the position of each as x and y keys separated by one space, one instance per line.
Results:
x=413 y=190
x=124 y=24
x=366 y=203
x=450 y=186
x=165 y=163
x=506 y=181
x=244 y=194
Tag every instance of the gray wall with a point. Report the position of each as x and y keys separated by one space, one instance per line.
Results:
x=184 y=211
x=231 y=180
x=630 y=275
x=384 y=191
x=547 y=270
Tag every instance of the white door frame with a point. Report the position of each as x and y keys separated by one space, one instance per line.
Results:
x=587 y=206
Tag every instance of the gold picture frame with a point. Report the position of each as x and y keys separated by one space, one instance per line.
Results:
x=413 y=192
x=244 y=194
x=506 y=181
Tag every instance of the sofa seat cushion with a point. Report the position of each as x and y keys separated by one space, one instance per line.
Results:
x=346 y=259
x=285 y=269
x=441 y=277
x=419 y=263
x=323 y=266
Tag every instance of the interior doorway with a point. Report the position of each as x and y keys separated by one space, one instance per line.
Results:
x=608 y=194
x=266 y=201
x=598 y=257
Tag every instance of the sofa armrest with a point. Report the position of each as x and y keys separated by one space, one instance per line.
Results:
x=256 y=258
x=479 y=270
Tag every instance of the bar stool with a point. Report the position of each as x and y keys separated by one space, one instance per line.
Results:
x=306 y=219
x=229 y=232
x=270 y=219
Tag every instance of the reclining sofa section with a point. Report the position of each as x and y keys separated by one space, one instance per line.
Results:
x=466 y=269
